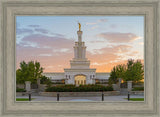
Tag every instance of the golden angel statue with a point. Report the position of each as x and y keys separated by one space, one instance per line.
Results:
x=79 y=26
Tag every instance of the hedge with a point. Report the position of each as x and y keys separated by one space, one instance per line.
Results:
x=58 y=83
x=81 y=88
x=20 y=90
x=138 y=89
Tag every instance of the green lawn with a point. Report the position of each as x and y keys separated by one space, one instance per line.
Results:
x=23 y=99
x=135 y=99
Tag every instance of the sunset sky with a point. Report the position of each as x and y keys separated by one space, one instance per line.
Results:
x=110 y=40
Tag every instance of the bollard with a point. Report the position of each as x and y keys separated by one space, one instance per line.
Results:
x=57 y=96
x=102 y=96
x=128 y=96
x=29 y=97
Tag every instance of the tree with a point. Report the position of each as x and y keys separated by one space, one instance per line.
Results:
x=132 y=71
x=113 y=76
x=117 y=72
x=30 y=71
x=120 y=70
x=22 y=73
x=19 y=78
x=135 y=71
x=38 y=70
x=139 y=70
x=130 y=64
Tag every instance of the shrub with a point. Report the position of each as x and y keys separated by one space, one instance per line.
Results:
x=101 y=82
x=20 y=90
x=138 y=83
x=138 y=89
x=45 y=80
x=58 y=83
x=81 y=88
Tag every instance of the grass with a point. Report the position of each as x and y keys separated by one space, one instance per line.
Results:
x=23 y=99
x=135 y=99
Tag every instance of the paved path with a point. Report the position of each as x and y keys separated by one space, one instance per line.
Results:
x=106 y=98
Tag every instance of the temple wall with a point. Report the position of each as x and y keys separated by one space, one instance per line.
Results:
x=103 y=75
x=55 y=75
x=71 y=75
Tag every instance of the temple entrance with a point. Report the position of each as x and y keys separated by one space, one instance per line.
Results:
x=80 y=80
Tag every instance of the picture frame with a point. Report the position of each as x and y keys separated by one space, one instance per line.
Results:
x=11 y=8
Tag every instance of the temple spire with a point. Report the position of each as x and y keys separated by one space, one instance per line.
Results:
x=79 y=48
x=79 y=32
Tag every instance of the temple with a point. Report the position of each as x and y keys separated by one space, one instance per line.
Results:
x=79 y=72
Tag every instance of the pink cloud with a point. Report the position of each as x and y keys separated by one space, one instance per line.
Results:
x=49 y=51
x=20 y=31
x=97 y=41
x=41 y=30
x=104 y=59
x=108 y=54
x=54 y=53
x=48 y=41
x=45 y=56
x=116 y=37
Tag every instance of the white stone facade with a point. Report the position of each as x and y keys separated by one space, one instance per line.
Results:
x=88 y=73
x=59 y=76
x=80 y=65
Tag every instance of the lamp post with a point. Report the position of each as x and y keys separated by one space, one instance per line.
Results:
x=102 y=96
x=129 y=86
x=128 y=95
x=29 y=96
x=57 y=96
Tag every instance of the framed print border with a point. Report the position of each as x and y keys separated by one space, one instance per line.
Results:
x=9 y=9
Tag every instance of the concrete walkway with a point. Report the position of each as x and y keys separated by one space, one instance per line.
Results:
x=106 y=98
